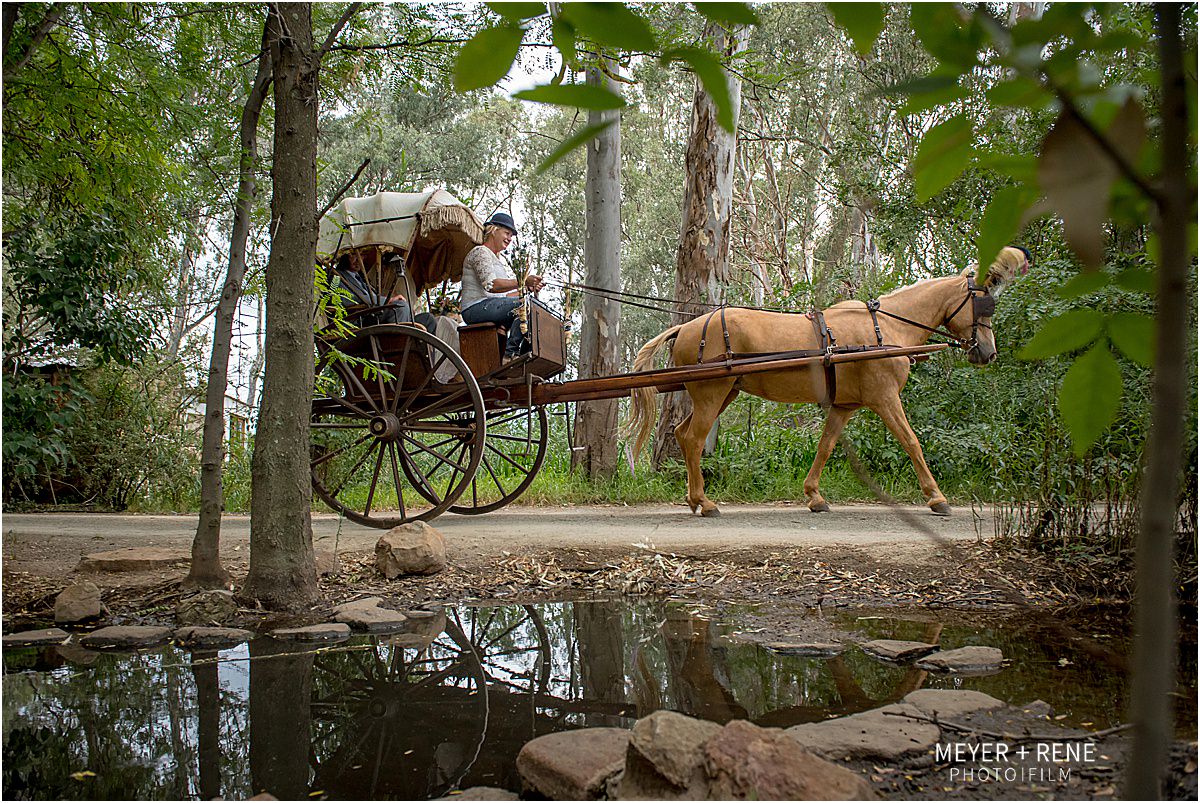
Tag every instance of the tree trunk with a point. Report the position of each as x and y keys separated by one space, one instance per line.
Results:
x=1155 y=662
x=282 y=574
x=206 y=571
x=702 y=262
x=599 y=344
x=280 y=713
x=183 y=288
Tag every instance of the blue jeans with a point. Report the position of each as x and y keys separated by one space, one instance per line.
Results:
x=500 y=311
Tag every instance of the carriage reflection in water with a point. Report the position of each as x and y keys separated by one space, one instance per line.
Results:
x=409 y=423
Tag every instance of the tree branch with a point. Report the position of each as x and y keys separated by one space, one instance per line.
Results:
x=350 y=11
x=337 y=196
x=432 y=40
x=39 y=33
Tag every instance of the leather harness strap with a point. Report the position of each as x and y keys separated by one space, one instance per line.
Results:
x=704 y=336
x=827 y=343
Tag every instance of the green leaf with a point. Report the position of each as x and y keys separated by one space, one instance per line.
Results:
x=1000 y=224
x=1084 y=284
x=582 y=96
x=584 y=136
x=610 y=24
x=487 y=57
x=712 y=75
x=1136 y=280
x=515 y=12
x=728 y=13
x=944 y=153
x=1134 y=335
x=862 y=21
x=1067 y=332
x=1018 y=92
x=1090 y=397
x=941 y=31
x=1019 y=167
x=562 y=34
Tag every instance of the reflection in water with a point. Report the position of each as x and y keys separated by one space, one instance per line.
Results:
x=449 y=703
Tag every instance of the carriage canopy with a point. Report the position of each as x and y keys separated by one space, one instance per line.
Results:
x=432 y=230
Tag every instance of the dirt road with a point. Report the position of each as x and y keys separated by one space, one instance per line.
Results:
x=49 y=544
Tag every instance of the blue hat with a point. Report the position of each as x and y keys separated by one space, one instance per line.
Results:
x=503 y=219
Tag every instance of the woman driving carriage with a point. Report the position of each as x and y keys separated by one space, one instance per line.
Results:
x=489 y=286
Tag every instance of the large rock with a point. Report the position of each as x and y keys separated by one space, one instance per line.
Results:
x=211 y=636
x=126 y=637
x=372 y=618
x=36 y=638
x=746 y=762
x=949 y=703
x=414 y=548
x=328 y=631
x=78 y=603
x=892 y=650
x=964 y=660
x=881 y=734
x=573 y=765
x=133 y=559
x=665 y=760
x=207 y=608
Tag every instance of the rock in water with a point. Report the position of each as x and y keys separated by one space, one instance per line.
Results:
x=892 y=650
x=573 y=765
x=36 y=638
x=126 y=637
x=951 y=703
x=964 y=660
x=746 y=762
x=200 y=637
x=78 y=603
x=665 y=760
x=414 y=548
x=207 y=608
x=323 y=632
x=881 y=734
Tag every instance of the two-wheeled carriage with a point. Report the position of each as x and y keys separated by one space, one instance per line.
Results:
x=408 y=423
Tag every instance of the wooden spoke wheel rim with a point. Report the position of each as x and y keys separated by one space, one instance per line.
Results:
x=384 y=453
x=514 y=449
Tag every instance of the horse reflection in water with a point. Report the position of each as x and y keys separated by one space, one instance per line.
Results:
x=419 y=715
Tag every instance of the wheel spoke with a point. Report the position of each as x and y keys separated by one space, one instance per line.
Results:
x=419 y=477
x=429 y=410
x=518 y=466
x=378 y=374
x=350 y=474
x=425 y=448
x=512 y=415
x=374 y=482
x=330 y=455
x=396 y=478
x=330 y=425
x=400 y=374
x=492 y=473
x=353 y=374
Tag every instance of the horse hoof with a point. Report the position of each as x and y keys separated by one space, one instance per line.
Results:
x=940 y=509
x=823 y=507
x=711 y=512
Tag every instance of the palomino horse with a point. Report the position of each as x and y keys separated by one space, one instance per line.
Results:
x=905 y=317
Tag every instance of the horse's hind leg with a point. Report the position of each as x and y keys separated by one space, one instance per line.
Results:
x=707 y=404
x=835 y=420
x=892 y=413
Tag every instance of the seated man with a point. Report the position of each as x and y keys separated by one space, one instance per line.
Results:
x=350 y=269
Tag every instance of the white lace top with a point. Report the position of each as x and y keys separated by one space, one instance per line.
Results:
x=480 y=269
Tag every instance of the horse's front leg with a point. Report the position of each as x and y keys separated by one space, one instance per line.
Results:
x=892 y=413
x=707 y=404
x=835 y=421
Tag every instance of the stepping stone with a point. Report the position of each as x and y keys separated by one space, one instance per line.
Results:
x=892 y=650
x=950 y=704
x=373 y=620
x=211 y=636
x=964 y=660
x=573 y=765
x=133 y=559
x=323 y=632
x=815 y=650
x=481 y=793
x=126 y=637
x=36 y=638
x=875 y=735
x=368 y=602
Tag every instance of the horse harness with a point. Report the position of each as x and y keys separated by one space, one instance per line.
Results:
x=982 y=306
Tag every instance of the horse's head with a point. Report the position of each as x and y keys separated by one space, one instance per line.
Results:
x=971 y=320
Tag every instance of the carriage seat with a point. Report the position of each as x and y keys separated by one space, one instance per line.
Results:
x=482 y=346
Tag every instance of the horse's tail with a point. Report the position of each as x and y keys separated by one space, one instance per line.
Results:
x=643 y=411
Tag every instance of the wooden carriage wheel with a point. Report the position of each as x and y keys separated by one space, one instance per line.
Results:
x=395 y=445
x=514 y=449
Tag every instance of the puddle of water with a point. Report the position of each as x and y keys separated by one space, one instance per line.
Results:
x=449 y=705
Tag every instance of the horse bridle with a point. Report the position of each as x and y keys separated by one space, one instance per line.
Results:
x=982 y=306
